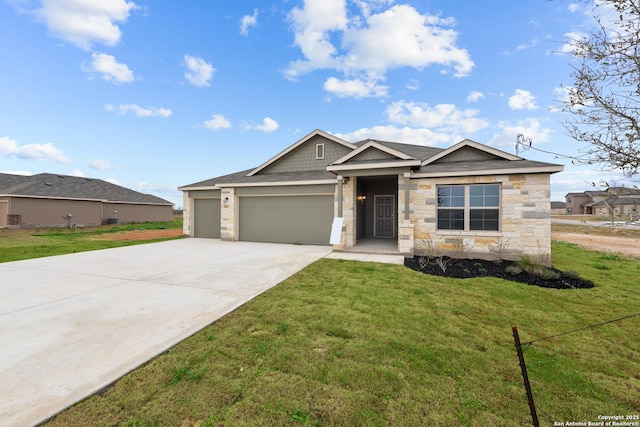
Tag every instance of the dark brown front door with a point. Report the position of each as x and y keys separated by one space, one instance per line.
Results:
x=385 y=218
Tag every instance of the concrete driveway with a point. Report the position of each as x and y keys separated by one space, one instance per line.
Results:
x=72 y=324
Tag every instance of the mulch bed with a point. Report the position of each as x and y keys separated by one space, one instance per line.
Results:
x=469 y=268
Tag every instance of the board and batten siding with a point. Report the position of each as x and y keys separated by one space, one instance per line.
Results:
x=51 y=212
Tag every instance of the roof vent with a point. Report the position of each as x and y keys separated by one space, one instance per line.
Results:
x=48 y=183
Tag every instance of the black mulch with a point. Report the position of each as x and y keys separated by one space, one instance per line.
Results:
x=468 y=268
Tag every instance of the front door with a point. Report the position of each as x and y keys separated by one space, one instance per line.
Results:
x=384 y=216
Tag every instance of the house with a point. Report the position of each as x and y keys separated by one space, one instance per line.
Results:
x=558 y=208
x=423 y=200
x=50 y=200
x=618 y=201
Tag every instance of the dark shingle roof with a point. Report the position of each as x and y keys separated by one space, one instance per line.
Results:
x=420 y=152
x=479 y=165
x=240 y=177
x=72 y=187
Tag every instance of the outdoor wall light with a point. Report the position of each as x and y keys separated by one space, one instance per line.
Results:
x=361 y=198
x=226 y=199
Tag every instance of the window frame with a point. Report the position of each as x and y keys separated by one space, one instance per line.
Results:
x=454 y=207
x=319 y=151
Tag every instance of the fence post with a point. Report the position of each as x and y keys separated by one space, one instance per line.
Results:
x=525 y=377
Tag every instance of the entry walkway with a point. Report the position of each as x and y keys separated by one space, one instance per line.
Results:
x=72 y=324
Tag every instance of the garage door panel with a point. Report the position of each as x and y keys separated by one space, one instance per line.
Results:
x=286 y=219
x=206 y=218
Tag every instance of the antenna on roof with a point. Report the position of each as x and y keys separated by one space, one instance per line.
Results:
x=522 y=141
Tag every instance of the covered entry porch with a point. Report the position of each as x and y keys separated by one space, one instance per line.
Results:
x=373 y=212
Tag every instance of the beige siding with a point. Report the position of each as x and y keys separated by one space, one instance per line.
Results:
x=137 y=213
x=51 y=213
x=4 y=211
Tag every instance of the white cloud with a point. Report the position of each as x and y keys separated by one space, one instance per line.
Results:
x=139 y=111
x=354 y=88
x=10 y=172
x=524 y=46
x=77 y=172
x=199 y=72
x=571 y=38
x=530 y=128
x=522 y=100
x=405 y=134
x=81 y=22
x=475 y=96
x=102 y=165
x=10 y=147
x=247 y=22
x=268 y=125
x=367 y=45
x=443 y=117
x=218 y=121
x=111 y=70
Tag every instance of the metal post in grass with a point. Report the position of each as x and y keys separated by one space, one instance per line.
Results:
x=525 y=377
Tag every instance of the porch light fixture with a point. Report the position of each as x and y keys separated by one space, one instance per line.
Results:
x=225 y=200
x=361 y=198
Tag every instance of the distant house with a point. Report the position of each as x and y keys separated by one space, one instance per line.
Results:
x=558 y=208
x=324 y=190
x=618 y=201
x=50 y=200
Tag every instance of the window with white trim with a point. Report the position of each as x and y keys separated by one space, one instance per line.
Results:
x=319 y=151
x=469 y=207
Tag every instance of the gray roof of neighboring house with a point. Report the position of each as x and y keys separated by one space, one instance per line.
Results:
x=72 y=187
x=558 y=205
x=615 y=201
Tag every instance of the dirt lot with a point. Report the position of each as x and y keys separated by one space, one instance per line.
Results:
x=620 y=245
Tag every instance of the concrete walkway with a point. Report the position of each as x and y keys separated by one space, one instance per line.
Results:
x=72 y=324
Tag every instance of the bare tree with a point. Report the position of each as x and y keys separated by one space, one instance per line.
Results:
x=605 y=97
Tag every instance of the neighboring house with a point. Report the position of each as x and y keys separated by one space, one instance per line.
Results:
x=425 y=200
x=618 y=201
x=50 y=200
x=558 y=208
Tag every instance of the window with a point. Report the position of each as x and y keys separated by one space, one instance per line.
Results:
x=319 y=151
x=469 y=207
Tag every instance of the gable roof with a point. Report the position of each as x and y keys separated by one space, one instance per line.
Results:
x=467 y=144
x=375 y=157
x=47 y=185
x=300 y=142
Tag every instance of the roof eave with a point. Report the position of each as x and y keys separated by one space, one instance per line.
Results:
x=380 y=165
x=507 y=171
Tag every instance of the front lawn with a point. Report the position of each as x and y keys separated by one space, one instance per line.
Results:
x=344 y=343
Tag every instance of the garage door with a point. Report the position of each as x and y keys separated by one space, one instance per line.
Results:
x=286 y=219
x=206 y=218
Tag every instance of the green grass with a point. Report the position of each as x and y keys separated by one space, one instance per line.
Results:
x=16 y=245
x=343 y=343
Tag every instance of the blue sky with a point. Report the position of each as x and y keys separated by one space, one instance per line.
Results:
x=155 y=95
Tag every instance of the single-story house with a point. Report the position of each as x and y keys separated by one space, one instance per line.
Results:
x=471 y=200
x=51 y=200
x=558 y=208
x=618 y=201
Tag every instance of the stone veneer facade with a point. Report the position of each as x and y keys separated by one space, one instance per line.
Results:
x=525 y=219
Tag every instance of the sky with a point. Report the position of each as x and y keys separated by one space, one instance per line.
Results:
x=156 y=95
